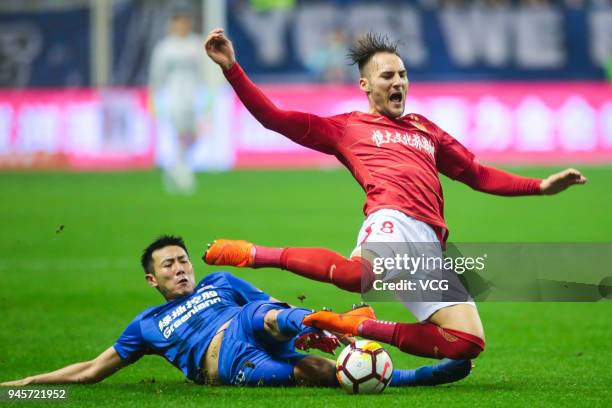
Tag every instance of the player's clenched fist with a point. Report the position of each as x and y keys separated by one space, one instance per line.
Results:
x=219 y=48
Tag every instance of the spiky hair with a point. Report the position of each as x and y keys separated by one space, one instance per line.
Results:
x=367 y=46
x=146 y=260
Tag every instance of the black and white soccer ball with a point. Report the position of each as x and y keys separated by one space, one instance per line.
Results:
x=364 y=367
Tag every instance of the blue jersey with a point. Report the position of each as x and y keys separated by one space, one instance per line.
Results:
x=182 y=329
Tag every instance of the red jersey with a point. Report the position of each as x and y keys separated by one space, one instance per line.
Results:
x=396 y=161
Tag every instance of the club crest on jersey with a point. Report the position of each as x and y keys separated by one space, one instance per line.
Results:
x=419 y=126
x=413 y=140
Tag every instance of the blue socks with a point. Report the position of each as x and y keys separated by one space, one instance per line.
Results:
x=444 y=372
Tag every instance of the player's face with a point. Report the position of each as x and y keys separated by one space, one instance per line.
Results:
x=173 y=275
x=180 y=25
x=385 y=82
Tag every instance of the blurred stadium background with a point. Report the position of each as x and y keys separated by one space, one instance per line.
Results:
x=517 y=82
x=524 y=84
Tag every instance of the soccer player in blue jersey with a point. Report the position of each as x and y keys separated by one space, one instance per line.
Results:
x=224 y=331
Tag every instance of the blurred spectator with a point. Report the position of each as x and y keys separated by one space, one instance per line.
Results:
x=176 y=78
x=328 y=63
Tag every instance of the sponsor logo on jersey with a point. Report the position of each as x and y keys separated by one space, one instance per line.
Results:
x=416 y=141
x=185 y=311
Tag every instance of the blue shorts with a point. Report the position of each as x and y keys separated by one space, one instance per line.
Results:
x=247 y=358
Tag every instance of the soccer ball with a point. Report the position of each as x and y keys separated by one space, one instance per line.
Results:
x=364 y=367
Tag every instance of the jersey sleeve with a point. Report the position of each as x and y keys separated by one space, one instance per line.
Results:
x=244 y=292
x=315 y=132
x=452 y=158
x=495 y=181
x=131 y=345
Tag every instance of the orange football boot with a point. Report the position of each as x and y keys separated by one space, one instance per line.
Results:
x=345 y=323
x=229 y=253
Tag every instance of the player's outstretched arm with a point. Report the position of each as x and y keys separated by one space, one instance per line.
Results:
x=307 y=129
x=457 y=162
x=86 y=372
x=556 y=183
x=495 y=181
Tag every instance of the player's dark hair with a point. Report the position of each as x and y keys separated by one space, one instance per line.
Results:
x=146 y=260
x=367 y=46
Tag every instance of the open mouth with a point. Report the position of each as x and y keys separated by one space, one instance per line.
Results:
x=396 y=97
x=182 y=281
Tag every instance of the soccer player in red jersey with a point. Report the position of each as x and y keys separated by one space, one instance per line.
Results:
x=396 y=159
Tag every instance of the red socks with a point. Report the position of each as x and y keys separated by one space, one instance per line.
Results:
x=266 y=256
x=424 y=339
x=323 y=265
x=318 y=264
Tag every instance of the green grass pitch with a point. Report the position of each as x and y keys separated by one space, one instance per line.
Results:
x=66 y=293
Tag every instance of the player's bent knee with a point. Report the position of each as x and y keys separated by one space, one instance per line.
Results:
x=315 y=371
x=465 y=351
x=271 y=326
x=461 y=317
